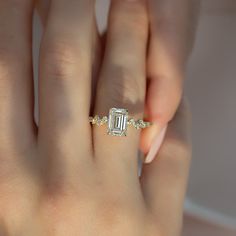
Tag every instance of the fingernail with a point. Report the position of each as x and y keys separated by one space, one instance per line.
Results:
x=156 y=144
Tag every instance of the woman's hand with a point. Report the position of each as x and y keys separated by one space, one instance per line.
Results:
x=65 y=177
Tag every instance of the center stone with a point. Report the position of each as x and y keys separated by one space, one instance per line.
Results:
x=117 y=124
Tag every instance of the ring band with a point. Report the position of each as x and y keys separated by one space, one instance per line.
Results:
x=118 y=122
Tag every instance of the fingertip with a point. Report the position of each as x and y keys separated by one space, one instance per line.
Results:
x=155 y=146
x=147 y=137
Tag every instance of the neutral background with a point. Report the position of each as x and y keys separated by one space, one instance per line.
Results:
x=211 y=88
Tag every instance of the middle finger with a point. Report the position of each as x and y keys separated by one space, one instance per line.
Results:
x=65 y=84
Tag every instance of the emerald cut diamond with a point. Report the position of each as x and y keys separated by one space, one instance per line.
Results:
x=118 y=121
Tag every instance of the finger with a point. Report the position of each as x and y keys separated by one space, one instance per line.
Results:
x=16 y=83
x=172 y=34
x=164 y=180
x=42 y=7
x=122 y=83
x=65 y=83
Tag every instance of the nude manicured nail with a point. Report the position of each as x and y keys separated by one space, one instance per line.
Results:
x=156 y=144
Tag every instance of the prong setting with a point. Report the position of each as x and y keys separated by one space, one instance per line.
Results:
x=118 y=122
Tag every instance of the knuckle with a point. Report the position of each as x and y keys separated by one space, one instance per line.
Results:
x=124 y=87
x=59 y=59
x=57 y=197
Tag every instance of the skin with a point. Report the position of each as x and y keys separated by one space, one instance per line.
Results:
x=172 y=32
x=64 y=177
x=172 y=27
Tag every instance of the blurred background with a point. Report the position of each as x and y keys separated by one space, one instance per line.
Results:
x=210 y=207
x=211 y=88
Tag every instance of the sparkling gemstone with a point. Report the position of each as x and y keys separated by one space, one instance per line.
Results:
x=117 y=124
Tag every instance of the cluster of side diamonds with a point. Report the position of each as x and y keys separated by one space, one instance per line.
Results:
x=138 y=124
x=96 y=120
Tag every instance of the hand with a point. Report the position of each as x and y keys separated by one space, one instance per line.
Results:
x=172 y=30
x=64 y=177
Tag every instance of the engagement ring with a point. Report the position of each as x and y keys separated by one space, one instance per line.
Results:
x=118 y=121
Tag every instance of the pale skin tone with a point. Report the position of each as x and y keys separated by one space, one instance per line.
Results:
x=172 y=27
x=64 y=177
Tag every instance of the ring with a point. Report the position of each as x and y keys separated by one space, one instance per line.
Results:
x=118 y=121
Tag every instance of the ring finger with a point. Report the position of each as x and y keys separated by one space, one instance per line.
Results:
x=122 y=82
